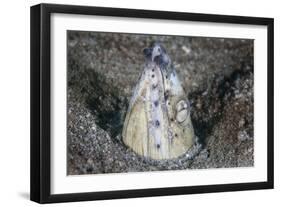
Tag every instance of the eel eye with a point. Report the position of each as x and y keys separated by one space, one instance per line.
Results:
x=182 y=111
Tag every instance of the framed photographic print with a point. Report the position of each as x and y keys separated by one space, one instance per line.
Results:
x=132 y=103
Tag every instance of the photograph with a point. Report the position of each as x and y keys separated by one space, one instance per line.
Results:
x=151 y=102
x=129 y=103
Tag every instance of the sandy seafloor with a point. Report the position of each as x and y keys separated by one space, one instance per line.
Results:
x=103 y=69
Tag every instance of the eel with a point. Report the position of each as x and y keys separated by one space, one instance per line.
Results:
x=158 y=123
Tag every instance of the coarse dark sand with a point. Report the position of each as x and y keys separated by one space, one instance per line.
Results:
x=103 y=69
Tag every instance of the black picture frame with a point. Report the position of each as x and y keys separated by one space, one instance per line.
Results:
x=41 y=97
